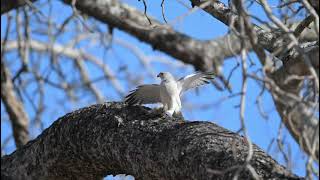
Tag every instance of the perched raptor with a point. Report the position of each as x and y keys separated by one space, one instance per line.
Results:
x=168 y=92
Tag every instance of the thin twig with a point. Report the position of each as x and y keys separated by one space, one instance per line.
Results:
x=162 y=9
x=145 y=11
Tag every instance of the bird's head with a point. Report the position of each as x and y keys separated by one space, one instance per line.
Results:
x=165 y=76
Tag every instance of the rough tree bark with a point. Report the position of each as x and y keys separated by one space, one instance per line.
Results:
x=7 y=5
x=204 y=55
x=179 y=45
x=114 y=138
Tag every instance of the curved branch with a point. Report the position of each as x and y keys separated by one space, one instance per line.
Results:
x=114 y=138
x=294 y=64
x=203 y=55
x=297 y=116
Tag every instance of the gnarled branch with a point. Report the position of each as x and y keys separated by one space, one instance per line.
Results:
x=114 y=138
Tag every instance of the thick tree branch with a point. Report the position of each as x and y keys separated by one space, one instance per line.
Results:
x=314 y=4
x=7 y=5
x=298 y=119
x=201 y=54
x=113 y=138
x=270 y=41
x=298 y=116
x=207 y=54
x=14 y=107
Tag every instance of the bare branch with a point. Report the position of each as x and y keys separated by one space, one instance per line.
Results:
x=73 y=54
x=14 y=107
x=86 y=80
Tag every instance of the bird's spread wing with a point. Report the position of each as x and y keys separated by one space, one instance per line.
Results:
x=144 y=94
x=194 y=80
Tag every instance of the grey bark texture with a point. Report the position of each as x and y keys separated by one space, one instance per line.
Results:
x=297 y=117
x=114 y=138
x=203 y=55
x=301 y=125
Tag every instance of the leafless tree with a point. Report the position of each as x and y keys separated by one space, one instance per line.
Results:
x=39 y=53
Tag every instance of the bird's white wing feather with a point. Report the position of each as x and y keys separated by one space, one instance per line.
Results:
x=194 y=80
x=144 y=94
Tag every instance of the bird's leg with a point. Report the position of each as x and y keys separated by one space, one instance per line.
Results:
x=165 y=107
x=165 y=111
x=178 y=115
x=169 y=112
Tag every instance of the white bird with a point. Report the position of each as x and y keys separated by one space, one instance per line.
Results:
x=168 y=92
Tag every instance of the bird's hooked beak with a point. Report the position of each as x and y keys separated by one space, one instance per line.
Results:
x=159 y=75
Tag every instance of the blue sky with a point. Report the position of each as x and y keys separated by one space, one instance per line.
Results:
x=199 y=25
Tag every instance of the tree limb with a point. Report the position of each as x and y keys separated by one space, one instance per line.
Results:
x=73 y=54
x=297 y=116
x=14 y=107
x=201 y=54
x=224 y=14
x=7 y=5
x=302 y=120
x=114 y=138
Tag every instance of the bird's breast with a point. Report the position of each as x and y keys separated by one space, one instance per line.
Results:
x=170 y=88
